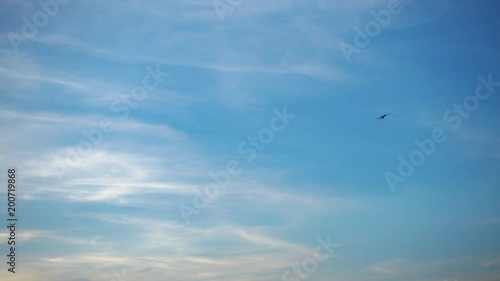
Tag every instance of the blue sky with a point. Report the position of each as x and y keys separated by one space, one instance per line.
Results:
x=116 y=213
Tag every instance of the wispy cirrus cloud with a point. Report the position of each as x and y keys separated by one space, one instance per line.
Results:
x=491 y=263
x=387 y=267
x=116 y=211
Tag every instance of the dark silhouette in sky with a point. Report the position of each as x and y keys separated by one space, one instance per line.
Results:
x=383 y=116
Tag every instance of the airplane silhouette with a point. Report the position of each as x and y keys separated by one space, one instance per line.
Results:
x=383 y=116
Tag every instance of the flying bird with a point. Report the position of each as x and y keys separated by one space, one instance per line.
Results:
x=383 y=116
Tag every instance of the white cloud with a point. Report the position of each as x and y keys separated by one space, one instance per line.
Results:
x=390 y=267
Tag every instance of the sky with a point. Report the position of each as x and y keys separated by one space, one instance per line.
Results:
x=238 y=140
